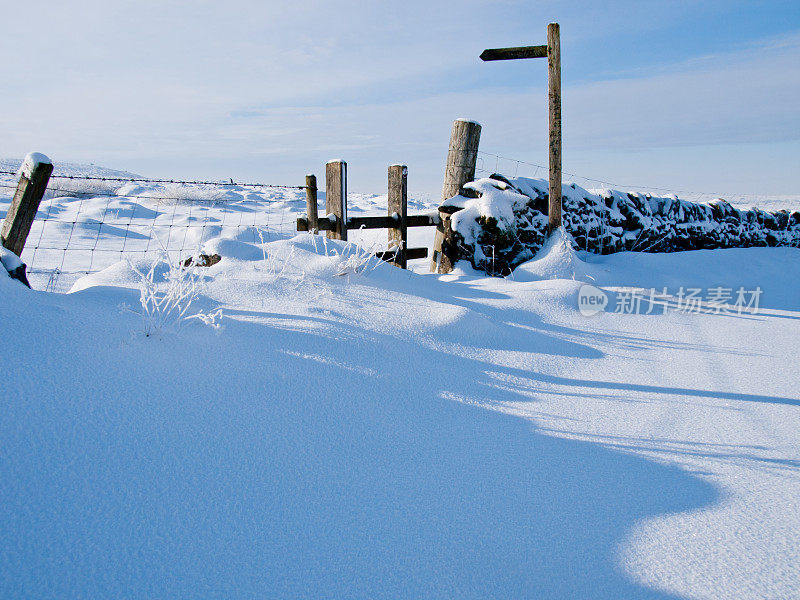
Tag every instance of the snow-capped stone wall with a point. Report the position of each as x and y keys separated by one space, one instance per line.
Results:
x=500 y=223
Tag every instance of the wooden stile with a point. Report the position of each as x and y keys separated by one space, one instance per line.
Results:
x=374 y=222
x=398 y=212
x=336 y=197
x=311 y=203
x=397 y=221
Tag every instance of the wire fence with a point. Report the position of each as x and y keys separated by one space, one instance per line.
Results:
x=86 y=223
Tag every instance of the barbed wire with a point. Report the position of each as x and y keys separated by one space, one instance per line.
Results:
x=611 y=184
x=161 y=181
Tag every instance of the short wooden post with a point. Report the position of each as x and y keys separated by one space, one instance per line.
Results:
x=398 y=205
x=36 y=171
x=336 y=197
x=554 y=88
x=462 y=158
x=311 y=203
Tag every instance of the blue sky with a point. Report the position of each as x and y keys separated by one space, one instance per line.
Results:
x=698 y=96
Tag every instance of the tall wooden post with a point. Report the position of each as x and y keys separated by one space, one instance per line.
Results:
x=462 y=158
x=36 y=171
x=554 y=93
x=553 y=53
x=336 y=197
x=311 y=203
x=398 y=205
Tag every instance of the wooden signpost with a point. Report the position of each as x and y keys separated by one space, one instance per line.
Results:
x=553 y=53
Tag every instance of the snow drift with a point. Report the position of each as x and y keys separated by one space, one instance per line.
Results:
x=345 y=434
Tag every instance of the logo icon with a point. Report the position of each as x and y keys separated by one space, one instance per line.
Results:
x=591 y=300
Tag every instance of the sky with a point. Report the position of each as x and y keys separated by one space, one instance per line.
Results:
x=696 y=96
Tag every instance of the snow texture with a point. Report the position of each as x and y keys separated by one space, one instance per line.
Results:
x=373 y=433
x=9 y=260
x=502 y=223
x=33 y=160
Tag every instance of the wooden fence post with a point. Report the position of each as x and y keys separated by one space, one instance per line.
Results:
x=554 y=88
x=398 y=204
x=35 y=174
x=311 y=204
x=462 y=157
x=336 y=197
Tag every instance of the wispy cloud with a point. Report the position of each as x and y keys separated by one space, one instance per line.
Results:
x=267 y=89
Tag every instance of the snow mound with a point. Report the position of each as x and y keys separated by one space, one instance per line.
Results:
x=557 y=259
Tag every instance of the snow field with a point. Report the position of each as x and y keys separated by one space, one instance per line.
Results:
x=355 y=430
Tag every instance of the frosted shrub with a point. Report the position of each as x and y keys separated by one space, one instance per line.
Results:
x=166 y=304
x=353 y=259
x=81 y=188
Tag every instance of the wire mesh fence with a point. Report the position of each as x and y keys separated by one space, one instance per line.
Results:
x=87 y=223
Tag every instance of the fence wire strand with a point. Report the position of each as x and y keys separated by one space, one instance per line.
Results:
x=504 y=164
x=82 y=228
x=230 y=183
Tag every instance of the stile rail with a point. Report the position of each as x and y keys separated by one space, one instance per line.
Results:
x=336 y=223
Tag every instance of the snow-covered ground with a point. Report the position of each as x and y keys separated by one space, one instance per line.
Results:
x=101 y=221
x=355 y=430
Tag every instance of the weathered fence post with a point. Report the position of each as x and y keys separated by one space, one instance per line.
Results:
x=35 y=174
x=311 y=203
x=398 y=205
x=462 y=157
x=336 y=197
x=554 y=89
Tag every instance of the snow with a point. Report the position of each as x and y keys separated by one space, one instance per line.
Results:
x=495 y=201
x=357 y=430
x=33 y=160
x=556 y=260
x=376 y=433
x=9 y=260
